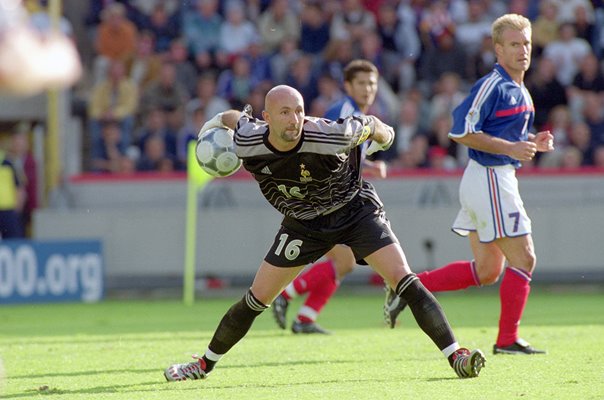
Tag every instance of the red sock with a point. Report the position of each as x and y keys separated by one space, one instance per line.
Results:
x=455 y=276
x=320 y=283
x=513 y=292
x=305 y=281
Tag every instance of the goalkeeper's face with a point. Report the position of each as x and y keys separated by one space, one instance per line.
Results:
x=284 y=114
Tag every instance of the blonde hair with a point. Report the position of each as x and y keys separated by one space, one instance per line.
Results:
x=509 y=21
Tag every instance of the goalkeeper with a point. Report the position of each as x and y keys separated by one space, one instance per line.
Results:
x=309 y=169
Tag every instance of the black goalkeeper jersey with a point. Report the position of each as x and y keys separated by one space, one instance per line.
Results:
x=320 y=175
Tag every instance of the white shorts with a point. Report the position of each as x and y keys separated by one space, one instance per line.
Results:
x=490 y=203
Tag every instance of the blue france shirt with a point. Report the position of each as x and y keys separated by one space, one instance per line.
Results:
x=342 y=109
x=497 y=106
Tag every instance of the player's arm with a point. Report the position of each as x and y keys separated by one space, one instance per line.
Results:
x=381 y=137
x=521 y=151
x=226 y=119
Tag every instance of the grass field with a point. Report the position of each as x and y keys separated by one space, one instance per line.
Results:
x=118 y=350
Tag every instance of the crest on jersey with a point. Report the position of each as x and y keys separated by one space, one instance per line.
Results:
x=304 y=174
x=473 y=116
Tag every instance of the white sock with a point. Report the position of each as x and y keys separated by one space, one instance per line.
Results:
x=450 y=349
x=210 y=355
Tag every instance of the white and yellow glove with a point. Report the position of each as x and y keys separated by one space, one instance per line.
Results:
x=374 y=146
x=215 y=122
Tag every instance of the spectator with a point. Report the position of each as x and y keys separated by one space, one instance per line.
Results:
x=281 y=61
x=386 y=104
x=156 y=126
x=546 y=26
x=584 y=23
x=447 y=95
x=401 y=47
x=13 y=195
x=146 y=7
x=416 y=156
x=559 y=124
x=185 y=71
x=419 y=97
x=110 y=154
x=236 y=34
x=276 y=23
x=566 y=53
x=189 y=133
x=352 y=23
x=406 y=128
x=235 y=84
x=164 y=26
x=593 y=112
x=256 y=100
x=165 y=93
x=175 y=122
x=496 y=8
x=469 y=33
x=579 y=136
x=546 y=91
x=572 y=158
x=20 y=155
x=114 y=98
x=370 y=48
x=598 y=157
x=338 y=54
x=566 y=10
x=145 y=67
x=154 y=157
x=303 y=77
x=522 y=7
x=435 y=22
x=439 y=160
x=441 y=145
x=483 y=61
x=206 y=97
x=116 y=39
x=589 y=78
x=201 y=29
x=260 y=64
x=314 y=30
x=446 y=55
x=329 y=93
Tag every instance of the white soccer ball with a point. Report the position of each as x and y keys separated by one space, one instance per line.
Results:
x=215 y=152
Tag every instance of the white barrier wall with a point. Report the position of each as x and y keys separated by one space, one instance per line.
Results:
x=141 y=223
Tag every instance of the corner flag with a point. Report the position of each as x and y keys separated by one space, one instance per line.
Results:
x=197 y=179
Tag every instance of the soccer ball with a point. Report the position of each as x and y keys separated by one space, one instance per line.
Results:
x=216 y=152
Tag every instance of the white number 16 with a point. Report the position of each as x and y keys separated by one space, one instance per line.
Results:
x=292 y=250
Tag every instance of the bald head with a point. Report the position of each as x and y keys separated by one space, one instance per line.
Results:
x=284 y=113
x=280 y=95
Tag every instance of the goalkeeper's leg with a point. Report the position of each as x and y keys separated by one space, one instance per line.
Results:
x=237 y=321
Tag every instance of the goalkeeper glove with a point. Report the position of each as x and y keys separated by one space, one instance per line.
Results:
x=375 y=146
x=215 y=122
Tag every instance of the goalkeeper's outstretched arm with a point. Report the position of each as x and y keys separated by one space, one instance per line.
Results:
x=226 y=119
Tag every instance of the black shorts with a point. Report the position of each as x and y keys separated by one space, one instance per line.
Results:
x=361 y=224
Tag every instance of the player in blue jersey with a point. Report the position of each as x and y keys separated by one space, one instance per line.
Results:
x=321 y=280
x=494 y=122
x=309 y=169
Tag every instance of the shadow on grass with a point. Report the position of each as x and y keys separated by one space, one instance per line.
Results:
x=97 y=372
x=136 y=387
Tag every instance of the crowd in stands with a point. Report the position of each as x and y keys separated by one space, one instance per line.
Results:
x=162 y=67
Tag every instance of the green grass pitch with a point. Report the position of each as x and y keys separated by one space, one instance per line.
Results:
x=118 y=350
